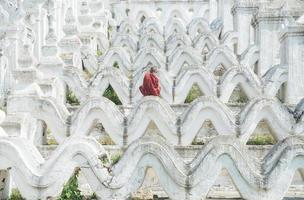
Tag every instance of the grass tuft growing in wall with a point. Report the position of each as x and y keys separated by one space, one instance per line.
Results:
x=99 y=53
x=16 y=195
x=111 y=94
x=70 y=189
x=193 y=94
x=71 y=98
x=116 y=65
x=261 y=140
x=115 y=158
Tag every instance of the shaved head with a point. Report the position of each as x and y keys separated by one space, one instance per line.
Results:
x=153 y=70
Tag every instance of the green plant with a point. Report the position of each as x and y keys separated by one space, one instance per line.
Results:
x=52 y=141
x=127 y=11
x=238 y=95
x=71 y=98
x=115 y=158
x=99 y=53
x=110 y=29
x=92 y=197
x=261 y=140
x=116 y=65
x=104 y=160
x=15 y=195
x=194 y=93
x=70 y=190
x=111 y=94
x=242 y=99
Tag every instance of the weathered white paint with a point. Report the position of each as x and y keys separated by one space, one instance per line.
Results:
x=87 y=45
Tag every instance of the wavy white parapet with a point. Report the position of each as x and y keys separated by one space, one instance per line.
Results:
x=263 y=180
x=221 y=55
x=174 y=26
x=97 y=110
x=274 y=78
x=203 y=78
x=47 y=109
x=250 y=56
x=152 y=40
x=205 y=40
x=154 y=109
x=187 y=76
x=22 y=125
x=117 y=55
x=106 y=77
x=242 y=76
x=148 y=56
x=151 y=24
x=38 y=178
x=76 y=82
x=128 y=26
x=281 y=122
x=177 y=40
x=127 y=41
x=183 y=57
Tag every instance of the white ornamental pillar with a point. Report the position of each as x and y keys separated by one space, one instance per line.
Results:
x=292 y=55
x=213 y=10
x=224 y=13
x=242 y=16
x=268 y=27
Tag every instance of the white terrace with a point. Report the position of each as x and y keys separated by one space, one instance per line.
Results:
x=229 y=70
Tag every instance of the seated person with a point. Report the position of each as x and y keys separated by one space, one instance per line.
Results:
x=150 y=86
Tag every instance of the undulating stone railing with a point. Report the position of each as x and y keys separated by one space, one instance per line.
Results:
x=176 y=128
x=176 y=91
x=268 y=179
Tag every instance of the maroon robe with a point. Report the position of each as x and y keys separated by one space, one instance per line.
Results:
x=150 y=85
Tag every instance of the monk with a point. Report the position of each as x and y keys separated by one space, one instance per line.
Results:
x=150 y=85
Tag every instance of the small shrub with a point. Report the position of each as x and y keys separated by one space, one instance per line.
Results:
x=99 y=53
x=194 y=93
x=127 y=11
x=92 y=197
x=110 y=28
x=71 y=98
x=111 y=94
x=104 y=160
x=52 y=141
x=238 y=95
x=115 y=158
x=16 y=195
x=242 y=99
x=70 y=190
x=116 y=65
x=261 y=140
